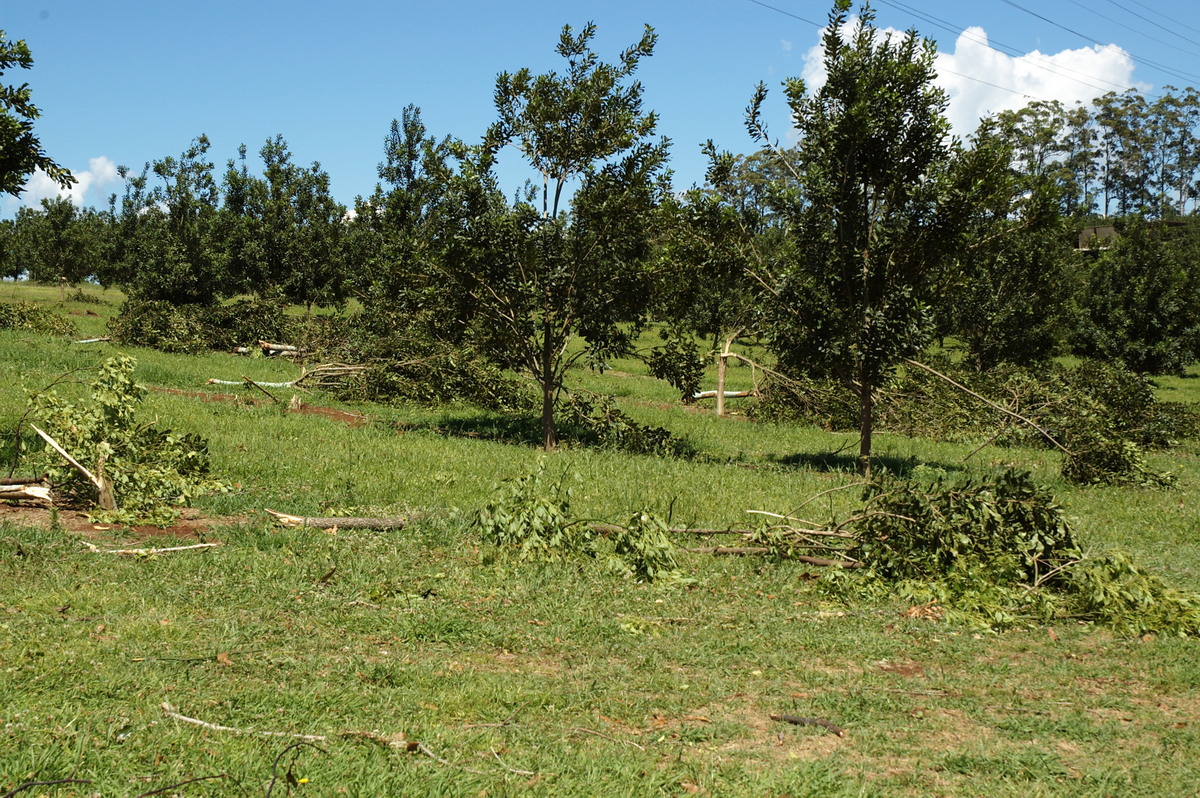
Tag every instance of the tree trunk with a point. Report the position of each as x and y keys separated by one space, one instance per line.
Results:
x=866 y=410
x=549 y=434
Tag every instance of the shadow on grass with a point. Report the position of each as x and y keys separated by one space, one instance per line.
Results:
x=881 y=465
x=523 y=430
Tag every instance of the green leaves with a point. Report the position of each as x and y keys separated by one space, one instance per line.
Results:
x=529 y=521
x=20 y=150
x=150 y=469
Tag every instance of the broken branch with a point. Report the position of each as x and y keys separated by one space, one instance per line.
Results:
x=798 y=721
x=397 y=522
x=104 y=490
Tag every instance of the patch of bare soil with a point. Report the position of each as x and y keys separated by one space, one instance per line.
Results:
x=332 y=413
x=192 y=525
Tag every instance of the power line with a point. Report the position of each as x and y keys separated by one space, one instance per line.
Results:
x=788 y=14
x=1093 y=39
x=1156 y=11
x=1163 y=42
x=1056 y=69
x=1017 y=92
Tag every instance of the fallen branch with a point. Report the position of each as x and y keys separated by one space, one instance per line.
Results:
x=147 y=552
x=177 y=784
x=724 y=394
x=798 y=721
x=92 y=340
x=103 y=488
x=171 y=712
x=397 y=522
x=28 y=785
x=28 y=492
x=581 y=730
x=990 y=404
x=260 y=387
x=742 y=551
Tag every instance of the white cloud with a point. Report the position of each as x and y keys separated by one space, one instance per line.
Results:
x=92 y=185
x=981 y=81
x=786 y=45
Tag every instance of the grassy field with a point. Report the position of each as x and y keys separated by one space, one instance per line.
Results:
x=430 y=669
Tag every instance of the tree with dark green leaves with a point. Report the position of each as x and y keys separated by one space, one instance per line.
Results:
x=21 y=152
x=875 y=214
x=1141 y=306
x=60 y=242
x=283 y=230
x=571 y=258
x=169 y=241
x=1012 y=288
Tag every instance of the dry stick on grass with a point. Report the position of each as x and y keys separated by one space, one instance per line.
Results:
x=798 y=721
x=259 y=386
x=581 y=730
x=172 y=713
x=390 y=742
x=104 y=490
x=28 y=785
x=397 y=522
x=742 y=551
x=148 y=552
x=290 y=777
x=161 y=790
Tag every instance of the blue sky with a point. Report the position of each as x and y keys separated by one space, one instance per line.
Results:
x=129 y=81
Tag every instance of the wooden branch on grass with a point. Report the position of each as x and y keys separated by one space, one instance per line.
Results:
x=104 y=490
x=799 y=721
x=31 y=489
x=724 y=394
x=742 y=551
x=148 y=552
x=396 y=522
x=317 y=376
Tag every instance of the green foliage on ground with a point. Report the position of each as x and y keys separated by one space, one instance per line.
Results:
x=528 y=520
x=33 y=317
x=152 y=471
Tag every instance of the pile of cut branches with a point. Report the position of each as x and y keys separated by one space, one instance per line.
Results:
x=990 y=553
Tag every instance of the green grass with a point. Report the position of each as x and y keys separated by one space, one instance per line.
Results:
x=550 y=679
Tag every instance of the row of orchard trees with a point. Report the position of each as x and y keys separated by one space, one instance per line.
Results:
x=846 y=254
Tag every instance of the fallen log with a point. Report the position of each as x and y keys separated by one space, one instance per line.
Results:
x=92 y=340
x=723 y=394
x=397 y=522
x=742 y=551
x=28 y=492
x=274 y=350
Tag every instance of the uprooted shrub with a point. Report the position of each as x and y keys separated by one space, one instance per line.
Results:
x=528 y=521
x=997 y=554
x=34 y=318
x=151 y=470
